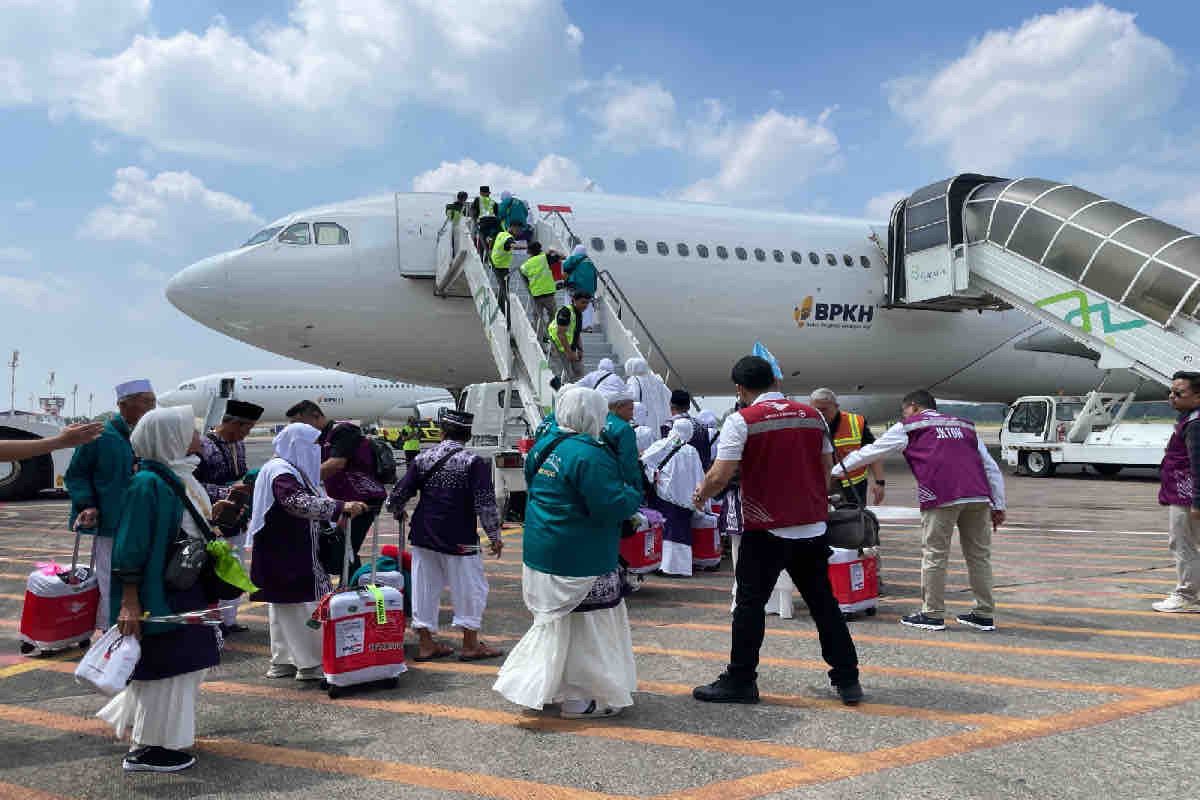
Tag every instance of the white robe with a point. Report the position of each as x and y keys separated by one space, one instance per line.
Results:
x=650 y=391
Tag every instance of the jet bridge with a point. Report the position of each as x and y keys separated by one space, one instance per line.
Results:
x=1114 y=280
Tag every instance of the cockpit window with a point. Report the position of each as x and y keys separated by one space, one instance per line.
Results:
x=187 y=387
x=296 y=234
x=331 y=233
x=262 y=236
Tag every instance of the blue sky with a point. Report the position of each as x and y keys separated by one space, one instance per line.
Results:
x=140 y=136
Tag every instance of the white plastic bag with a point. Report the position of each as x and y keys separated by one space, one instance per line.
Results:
x=109 y=662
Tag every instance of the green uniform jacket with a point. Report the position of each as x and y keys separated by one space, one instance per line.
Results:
x=537 y=271
x=99 y=475
x=618 y=435
x=150 y=523
x=575 y=505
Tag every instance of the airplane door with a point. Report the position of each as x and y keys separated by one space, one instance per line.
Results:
x=227 y=388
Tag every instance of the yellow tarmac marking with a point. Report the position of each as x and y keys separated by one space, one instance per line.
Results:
x=10 y=791
x=17 y=669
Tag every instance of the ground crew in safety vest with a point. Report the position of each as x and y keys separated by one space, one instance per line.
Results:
x=566 y=349
x=410 y=435
x=484 y=210
x=502 y=261
x=536 y=270
x=850 y=432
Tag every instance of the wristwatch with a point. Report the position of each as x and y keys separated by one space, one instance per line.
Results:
x=880 y=483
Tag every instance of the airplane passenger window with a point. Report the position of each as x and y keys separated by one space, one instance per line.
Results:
x=813 y=258
x=682 y=249
x=597 y=244
x=702 y=250
x=296 y=234
x=831 y=259
x=641 y=247
x=778 y=254
x=722 y=252
x=262 y=236
x=331 y=233
x=760 y=254
x=662 y=248
x=619 y=245
x=847 y=259
x=797 y=258
x=740 y=252
x=866 y=262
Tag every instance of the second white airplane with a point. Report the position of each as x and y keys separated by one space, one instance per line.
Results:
x=340 y=394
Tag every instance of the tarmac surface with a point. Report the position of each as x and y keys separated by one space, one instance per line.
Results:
x=1083 y=691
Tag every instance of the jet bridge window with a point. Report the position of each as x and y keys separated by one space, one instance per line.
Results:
x=641 y=247
x=682 y=249
x=296 y=234
x=722 y=252
x=597 y=244
x=740 y=252
x=662 y=249
x=702 y=250
x=331 y=233
x=619 y=245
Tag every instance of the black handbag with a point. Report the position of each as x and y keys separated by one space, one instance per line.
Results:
x=331 y=548
x=850 y=525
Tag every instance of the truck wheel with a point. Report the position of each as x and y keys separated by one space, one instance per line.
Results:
x=22 y=480
x=1037 y=463
x=1107 y=470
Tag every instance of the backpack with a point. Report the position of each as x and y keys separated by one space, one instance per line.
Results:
x=385 y=461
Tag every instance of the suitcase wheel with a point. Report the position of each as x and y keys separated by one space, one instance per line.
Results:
x=391 y=683
x=27 y=649
x=334 y=692
x=871 y=612
x=85 y=644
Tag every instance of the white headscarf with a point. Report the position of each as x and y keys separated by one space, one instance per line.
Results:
x=606 y=365
x=164 y=435
x=708 y=419
x=650 y=390
x=676 y=481
x=581 y=410
x=579 y=250
x=296 y=453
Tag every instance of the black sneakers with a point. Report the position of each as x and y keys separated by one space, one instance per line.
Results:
x=157 y=759
x=924 y=621
x=977 y=621
x=851 y=693
x=726 y=690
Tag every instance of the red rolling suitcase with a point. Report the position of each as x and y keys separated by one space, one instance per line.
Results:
x=60 y=605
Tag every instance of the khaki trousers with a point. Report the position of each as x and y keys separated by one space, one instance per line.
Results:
x=1184 y=542
x=974 y=521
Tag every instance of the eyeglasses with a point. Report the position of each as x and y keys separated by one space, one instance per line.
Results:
x=1177 y=393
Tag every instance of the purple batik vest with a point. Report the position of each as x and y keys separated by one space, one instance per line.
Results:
x=1177 y=482
x=943 y=453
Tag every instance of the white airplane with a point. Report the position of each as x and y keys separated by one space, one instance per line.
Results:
x=339 y=394
x=350 y=285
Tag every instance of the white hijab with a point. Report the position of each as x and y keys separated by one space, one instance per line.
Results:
x=677 y=481
x=164 y=435
x=648 y=389
x=296 y=453
x=581 y=410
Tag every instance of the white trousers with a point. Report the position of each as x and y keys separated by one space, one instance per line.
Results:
x=102 y=547
x=677 y=559
x=229 y=610
x=782 y=599
x=292 y=641
x=161 y=713
x=463 y=575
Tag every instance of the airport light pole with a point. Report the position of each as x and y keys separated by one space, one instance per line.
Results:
x=51 y=383
x=75 y=401
x=12 y=391
x=91 y=397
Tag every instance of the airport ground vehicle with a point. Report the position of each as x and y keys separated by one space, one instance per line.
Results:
x=1041 y=431
x=498 y=432
x=23 y=480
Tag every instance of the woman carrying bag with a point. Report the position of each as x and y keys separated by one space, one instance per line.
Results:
x=159 y=704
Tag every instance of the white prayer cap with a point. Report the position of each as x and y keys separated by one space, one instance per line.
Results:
x=823 y=395
x=581 y=410
x=579 y=250
x=637 y=366
x=506 y=195
x=130 y=388
x=707 y=418
x=606 y=364
x=617 y=397
x=641 y=416
x=682 y=429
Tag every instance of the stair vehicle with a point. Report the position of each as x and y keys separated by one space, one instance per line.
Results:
x=1042 y=432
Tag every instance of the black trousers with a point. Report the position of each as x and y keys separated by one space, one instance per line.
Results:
x=856 y=493
x=502 y=294
x=760 y=559
x=360 y=526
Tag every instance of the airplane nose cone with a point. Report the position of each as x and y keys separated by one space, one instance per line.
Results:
x=197 y=289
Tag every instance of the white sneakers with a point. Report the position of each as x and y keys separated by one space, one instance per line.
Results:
x=1176 y=604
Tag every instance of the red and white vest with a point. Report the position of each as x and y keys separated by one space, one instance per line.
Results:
x=783 y=481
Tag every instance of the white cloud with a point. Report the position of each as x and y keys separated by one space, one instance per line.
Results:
x=141 y=271
x=635 y=116
x=553 y=172
x=12 y=255
x=765 y=159
x=45 y=294
x=880 y=206
x=1061 y=83
x=170 y=205
x=38 y=37
x=335 y=76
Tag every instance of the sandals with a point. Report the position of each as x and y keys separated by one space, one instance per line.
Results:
x=483 y=653
x=439 y=651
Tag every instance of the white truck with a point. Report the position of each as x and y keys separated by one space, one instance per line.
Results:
x=500 y=433
x=1042 y=431
x=24 y=480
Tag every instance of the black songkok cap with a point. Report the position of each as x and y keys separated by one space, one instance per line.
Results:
x=243 y=410
x=461 y=419
x=681 y=398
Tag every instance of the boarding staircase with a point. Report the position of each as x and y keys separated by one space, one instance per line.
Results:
x=1120 y=283
x=514 y=342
